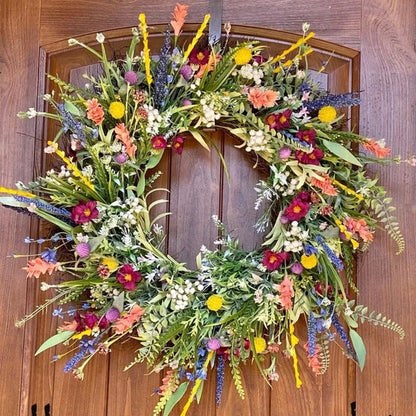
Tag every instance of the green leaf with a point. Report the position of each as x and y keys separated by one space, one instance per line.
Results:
x=154 y=160
x=55 y=340
x=141 y=185
x=199 y=392
x=198 y=137
x=71 y=108
x=340 y=151
x=359 y=348
x=175 y=398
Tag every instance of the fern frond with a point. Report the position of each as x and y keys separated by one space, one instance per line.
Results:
x=237 y=379
x=324 y=355
x=361 y=312
x=380 y=205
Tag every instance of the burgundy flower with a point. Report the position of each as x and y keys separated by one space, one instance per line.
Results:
x=307 y=136
x=90 y=319
x=177 y=145
x=128 y=277
x=259 y=59
x=197 y=57
x=297 y=209
x=272 y=260
x=312 y=158
x=159 y=142
x=84 y=212
x=304 y=196
x=103 y=323
x=279 y=121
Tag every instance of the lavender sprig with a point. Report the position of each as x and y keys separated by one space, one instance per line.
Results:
x=161 y=76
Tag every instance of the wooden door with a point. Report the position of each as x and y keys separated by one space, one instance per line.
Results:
x=37 y=386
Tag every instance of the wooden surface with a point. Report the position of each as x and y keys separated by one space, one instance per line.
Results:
x=384 y=32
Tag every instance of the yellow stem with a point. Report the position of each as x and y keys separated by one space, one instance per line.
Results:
x=293 y=341
x=196 y=386
x=16 y=192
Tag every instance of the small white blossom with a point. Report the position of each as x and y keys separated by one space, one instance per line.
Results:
x=100 y=37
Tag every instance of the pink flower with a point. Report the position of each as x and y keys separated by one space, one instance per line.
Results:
x=325 y=184
x=297 y=210
x=83 y=250
x=122 y=134
x=272 y=260
x=131 y=77
x=177 y=145
x=213 y=344
x=286 y=292
x=128 y=277
x=159 y=142
x=84 y=212
x=376 y=148
x=359 y=226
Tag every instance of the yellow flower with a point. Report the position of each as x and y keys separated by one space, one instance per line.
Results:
x=214 y=302
x=116 y=109
x=309 y=262
x=354 y=243
x=87 y=332
x=327 y=114
x=243 y=56
x=259 y=345
x=110 y=262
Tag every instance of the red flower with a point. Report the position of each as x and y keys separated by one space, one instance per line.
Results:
x=199 y=57
x=304 y=196
x=279 y=121
x=84 y=212
x=297 y=209
x=128 y=277
x=272 y=260
x=307 y=136
x=159 y=142
x=177 y=145
x=312 y=158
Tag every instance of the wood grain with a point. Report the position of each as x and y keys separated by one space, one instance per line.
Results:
x=387 y=385
x=18 y=68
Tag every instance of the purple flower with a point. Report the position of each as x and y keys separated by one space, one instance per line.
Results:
x=285 y=152
x=83 y=250
x=131 y=77
x=121 y=158
x=112 y=314
x=296 y=268
x=213 y=344
x=186 y=72
x=186 y=102
x=49 y=255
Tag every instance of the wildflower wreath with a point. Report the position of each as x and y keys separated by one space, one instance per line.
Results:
x=319 y=208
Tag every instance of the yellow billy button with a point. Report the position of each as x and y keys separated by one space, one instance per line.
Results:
x=259 y=345
x=327 y=114
x=309 y=262
x=243 y=56
x=116 y=109
x=214 y=302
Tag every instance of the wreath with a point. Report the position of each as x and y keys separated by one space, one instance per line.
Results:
x=319 y=207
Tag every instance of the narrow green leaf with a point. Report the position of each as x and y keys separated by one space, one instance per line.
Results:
x=359 y=347
x=198 y=137
x=55 y=340
x=175 y=398
x=141 y=185
x=340 y=151
x=199 y=392
x=71 y=108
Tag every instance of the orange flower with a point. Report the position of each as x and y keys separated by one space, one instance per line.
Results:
x=325 y=185
x=262 y=98
x=376 y=148
x=39 y=266
x=124 y=323
x=122 y=134
x=178 y=15
x=94 y=111
x=314 y=360
x=359 y=226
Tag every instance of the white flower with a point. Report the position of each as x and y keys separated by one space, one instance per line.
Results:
x=305 y=27
x=72 y=42
x=100 y=38
x=31 y=112
x=325 y=302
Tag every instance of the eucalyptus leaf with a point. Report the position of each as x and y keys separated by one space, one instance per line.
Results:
x=175 y=398
x=154 y=160
x=340 y=151
x=359 y=347
x=55 y=340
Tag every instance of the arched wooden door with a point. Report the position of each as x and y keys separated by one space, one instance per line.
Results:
x=198 y=189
